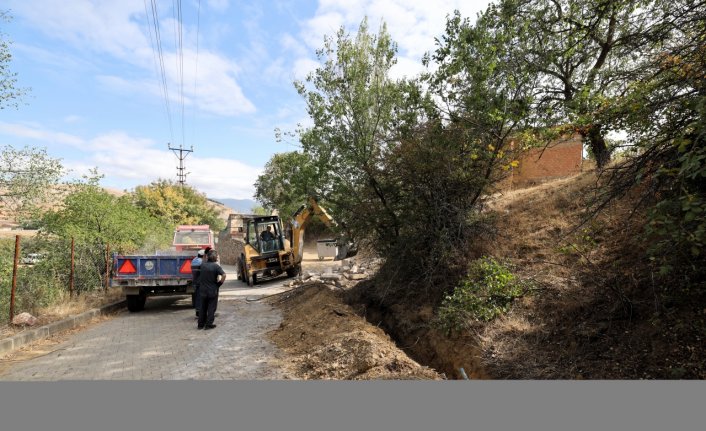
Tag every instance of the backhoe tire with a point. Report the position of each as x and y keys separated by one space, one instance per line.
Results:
x=241 y=269
x=294 y=271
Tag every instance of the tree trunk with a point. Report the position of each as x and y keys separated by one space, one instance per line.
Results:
x=597 y=144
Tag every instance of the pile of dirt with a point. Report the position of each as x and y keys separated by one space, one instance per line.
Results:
x=328 y=340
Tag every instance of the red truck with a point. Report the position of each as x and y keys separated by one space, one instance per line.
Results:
x=164 y=273
x=192 y=237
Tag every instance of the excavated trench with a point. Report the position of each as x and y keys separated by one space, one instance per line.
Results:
x=412 y=331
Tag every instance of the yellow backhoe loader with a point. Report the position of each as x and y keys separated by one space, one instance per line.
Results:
x=269 y=250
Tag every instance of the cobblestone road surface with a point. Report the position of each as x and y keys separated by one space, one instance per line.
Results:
x=162 y=343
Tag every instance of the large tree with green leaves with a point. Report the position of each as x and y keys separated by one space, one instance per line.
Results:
x=664 y=115
x=91 y=215
x=582 y=53
x=177 y=204
x=287 y=181
x=352 y=100
x=26 y=179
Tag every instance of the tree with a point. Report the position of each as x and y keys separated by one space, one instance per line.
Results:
x=664 y=115
x=176 y=204
x=287 y=181
x=582 y=54
x=26 y=179
x=91 y=215
x=352 y=102
x=9 y=93
x=258 y=210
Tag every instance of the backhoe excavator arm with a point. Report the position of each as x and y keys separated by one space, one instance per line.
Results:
x=301 y=219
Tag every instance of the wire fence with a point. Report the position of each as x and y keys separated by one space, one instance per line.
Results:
x=36 y=273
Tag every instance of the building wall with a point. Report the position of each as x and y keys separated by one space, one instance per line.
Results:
x=560 y=159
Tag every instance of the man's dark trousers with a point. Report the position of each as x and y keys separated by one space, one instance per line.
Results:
x=207 y=314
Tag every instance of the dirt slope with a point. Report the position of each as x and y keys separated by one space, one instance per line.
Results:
x=597 y=310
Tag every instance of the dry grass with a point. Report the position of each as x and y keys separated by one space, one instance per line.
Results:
x=66 y=307
x=596 y=312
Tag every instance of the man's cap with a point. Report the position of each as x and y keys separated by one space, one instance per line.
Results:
x=202 y=252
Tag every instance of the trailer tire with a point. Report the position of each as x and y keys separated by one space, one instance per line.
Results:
x=136 y=303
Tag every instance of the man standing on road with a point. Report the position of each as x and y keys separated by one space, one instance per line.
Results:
x=212 y=277
x=195 y=274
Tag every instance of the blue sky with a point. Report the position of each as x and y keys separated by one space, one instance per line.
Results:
x=97 y=97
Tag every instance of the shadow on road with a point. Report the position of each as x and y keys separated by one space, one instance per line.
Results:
x=166 y=304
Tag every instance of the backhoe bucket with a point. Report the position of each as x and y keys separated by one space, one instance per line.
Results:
x=345 y=251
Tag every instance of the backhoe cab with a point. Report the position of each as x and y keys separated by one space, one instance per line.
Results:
x=269 y=255
x=266 y=255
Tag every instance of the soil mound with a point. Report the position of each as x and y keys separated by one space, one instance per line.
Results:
x=328 y=340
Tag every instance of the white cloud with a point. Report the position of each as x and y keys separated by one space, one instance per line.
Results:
x=293 y=46
x=120 y=29
x=413 y=25
x=38 y=133
x=128 y=161
x=142 y=162
x=303 y=66
x=218 y=5
x=99 y=25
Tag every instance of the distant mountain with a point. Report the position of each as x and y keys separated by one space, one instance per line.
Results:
x=239 y=205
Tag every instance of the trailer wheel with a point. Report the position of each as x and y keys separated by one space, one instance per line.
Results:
x=136 y=302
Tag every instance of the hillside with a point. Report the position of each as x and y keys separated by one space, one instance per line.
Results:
x=243 y=206
x=7 y=222
x=597 y=308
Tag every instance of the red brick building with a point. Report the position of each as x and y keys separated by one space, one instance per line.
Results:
x=561 y=158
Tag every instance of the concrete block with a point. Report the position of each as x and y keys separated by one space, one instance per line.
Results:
x=6 y=346
x=23 y=338
x=61 y=325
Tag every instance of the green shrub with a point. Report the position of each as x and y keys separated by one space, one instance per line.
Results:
x=485 y=293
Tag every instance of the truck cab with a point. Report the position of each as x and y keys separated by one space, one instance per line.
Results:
x=192 y=238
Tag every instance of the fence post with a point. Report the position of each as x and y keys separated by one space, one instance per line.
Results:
x=107 y=267
x=71 y=275
x=14 y=277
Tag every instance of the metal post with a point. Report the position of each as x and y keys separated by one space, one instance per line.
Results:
x=71 y=276
x=14 y=277
x=107 y=266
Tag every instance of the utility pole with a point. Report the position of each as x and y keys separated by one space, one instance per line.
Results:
x=181 y=156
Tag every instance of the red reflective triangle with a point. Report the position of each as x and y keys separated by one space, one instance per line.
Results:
x=185 y=267
x=127 y=268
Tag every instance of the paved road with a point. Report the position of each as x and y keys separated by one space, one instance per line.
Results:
x=162 y=343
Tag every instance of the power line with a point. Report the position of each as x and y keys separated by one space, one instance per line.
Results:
x=196 y=64
x=160 y=55
x=179 y=44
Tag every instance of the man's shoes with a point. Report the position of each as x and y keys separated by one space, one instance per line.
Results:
x=199 y=327
x=209 y=326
